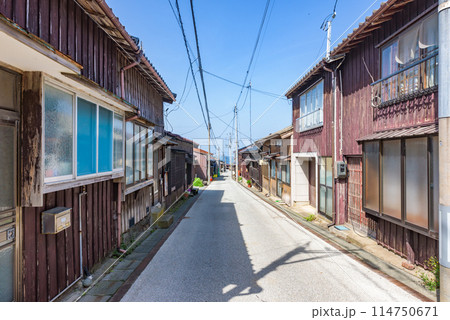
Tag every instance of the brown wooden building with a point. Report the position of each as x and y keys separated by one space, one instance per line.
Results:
x=79 y=105
x=380 y=124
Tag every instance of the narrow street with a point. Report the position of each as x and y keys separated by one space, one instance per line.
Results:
x=231 y=246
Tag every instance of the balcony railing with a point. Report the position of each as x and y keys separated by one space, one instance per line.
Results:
x=309 y=121
x=418 y=78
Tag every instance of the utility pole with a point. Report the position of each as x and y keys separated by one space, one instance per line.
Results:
x=209 y=153
x=444 y=147
x=236 y=137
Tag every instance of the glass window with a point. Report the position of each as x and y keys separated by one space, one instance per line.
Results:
x=371 y=175
x=7 y=167
x=322 y=171
x=8 y=90
x=118 y=141
x=143 y=153
x=434 y=183
x=311 y=108
x=283 y=173
x=150 y=153
x=129 y=153
x=391 y=168
x=416 y=181
x=136 y=152
x=86 y=137
x=272 y=166
x=105 y=139
x=288 y=173
x=58 y=132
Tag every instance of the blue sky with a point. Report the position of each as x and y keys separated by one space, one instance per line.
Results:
x=290 y=43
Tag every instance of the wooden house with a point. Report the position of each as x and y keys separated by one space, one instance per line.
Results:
x=275 y=151
x=79 y=105
x=380 y=111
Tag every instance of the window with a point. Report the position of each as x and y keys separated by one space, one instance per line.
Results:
x=391 y=178
x=272 y=166
x=95 y=132
x=105 y=140
x=118 y=142
x=149 y=153
x=326 y=186
x=372 y=171
x=58 y=133
x=408 y=181
x=311 y=108
x=285 y=173
x=139 y=153
x=409 y=62
x=86 y=137
x=129 y=153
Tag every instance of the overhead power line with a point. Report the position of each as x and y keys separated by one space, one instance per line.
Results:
x=190 y=61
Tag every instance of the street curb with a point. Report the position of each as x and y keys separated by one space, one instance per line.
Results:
x=366 y=258
x=123 y=289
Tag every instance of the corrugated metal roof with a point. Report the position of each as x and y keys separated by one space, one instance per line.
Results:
x=401 y=133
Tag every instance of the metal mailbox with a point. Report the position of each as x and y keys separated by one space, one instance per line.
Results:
x=55 y=220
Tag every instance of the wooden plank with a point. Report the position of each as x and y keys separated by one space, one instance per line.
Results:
x=75 y=233
x=90 y=230
x=69 y=238
x=71 y=51
x=19 y=12
x=83 y=211
x=78 y=35
x=109 y=214
x=90 y=65
x=61 y=249
x=52 y=273
x=32 y=24
x=105 y=220
x=31 y=138
x=54 y=23
x=100 y=227
x=41 y=251
x=6 y=8
x=63 y=21
x=29 y=254
x=95 y=229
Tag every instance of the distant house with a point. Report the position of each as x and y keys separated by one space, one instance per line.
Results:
x=275 y=151
x=79 y=106
x=200 y=164
x=179 y=167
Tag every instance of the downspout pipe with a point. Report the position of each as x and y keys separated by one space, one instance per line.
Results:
x=444 y=147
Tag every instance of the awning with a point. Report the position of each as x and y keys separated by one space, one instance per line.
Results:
x=401 y=133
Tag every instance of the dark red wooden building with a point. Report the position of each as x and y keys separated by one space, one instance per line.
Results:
x=79 y=106
x=379 y=122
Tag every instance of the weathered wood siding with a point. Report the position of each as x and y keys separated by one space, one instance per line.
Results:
x=414 y=246
x=52 y=262
x=64 y=25
x=319 y=139
x=359 y=118
x=137 y=206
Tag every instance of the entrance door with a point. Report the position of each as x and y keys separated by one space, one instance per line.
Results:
x=326 y=187
x=9 y=102
x=279 y=185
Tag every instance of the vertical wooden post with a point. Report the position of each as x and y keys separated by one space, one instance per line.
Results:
x=31 y=141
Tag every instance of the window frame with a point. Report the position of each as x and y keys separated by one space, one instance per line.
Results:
x=303 y=94
x=396 y=38
x=403 y=222
x=98 y=103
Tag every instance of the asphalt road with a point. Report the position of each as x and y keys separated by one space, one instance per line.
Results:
x=234 y=247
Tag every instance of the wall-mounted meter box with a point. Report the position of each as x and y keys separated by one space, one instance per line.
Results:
x=341 y=169
x=55 y=220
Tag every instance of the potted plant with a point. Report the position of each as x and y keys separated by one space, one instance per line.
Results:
x=249 y=183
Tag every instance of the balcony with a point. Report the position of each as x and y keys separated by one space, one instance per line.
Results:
x=419 y=78
x=309 y=121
